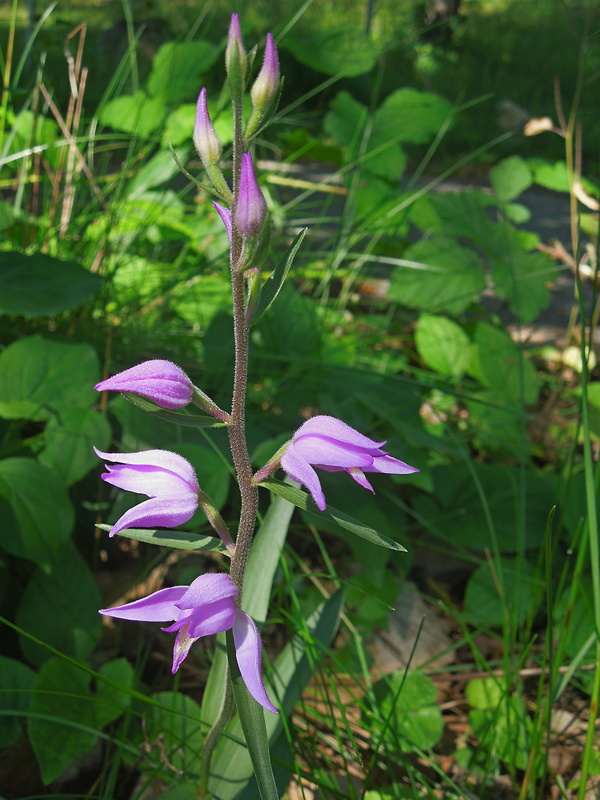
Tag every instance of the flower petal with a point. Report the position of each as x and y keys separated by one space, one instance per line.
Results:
x=148 y=480
x=181 y=648
x=359 y=476
x=212 y=618
x=163 y=382
x=319 y=450
x=248 y=650
x=157 y=511
x=323 y=425
x=156 y=607
x=155 y=458
x=391 y=466
x=301 y=471
x=208 y=589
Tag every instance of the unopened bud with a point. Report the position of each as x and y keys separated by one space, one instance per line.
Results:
x=250 y=208
x=236 y=60
x=206 y=141
x=266 y=85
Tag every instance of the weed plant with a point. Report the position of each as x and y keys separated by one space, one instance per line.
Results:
x=411 y=313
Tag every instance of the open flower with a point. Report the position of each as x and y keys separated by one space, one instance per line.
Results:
x=329 y=444
x=204 y=607
x=162 y=382
x=166 y=478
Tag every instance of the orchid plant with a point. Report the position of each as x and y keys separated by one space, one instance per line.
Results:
x=211 y=604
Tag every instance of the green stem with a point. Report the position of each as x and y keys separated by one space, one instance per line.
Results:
x=212 y=737
x=236 y=428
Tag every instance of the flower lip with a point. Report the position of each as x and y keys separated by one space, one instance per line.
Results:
x=328 y=443
x=162 y=382
x=167 y=478
x=211 y=610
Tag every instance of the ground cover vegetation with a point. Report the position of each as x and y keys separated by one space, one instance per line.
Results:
x=418 y=314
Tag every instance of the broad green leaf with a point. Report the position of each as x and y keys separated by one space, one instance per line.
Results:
x=291 y=326
x=39 y=285
x=179 y=540
x=39 y=376
x=16 y=679
x=498 y=363
x=523 y=279
x=407 y=700
x=411 y=116
x=180 y=734
x=41 y=506
x=157 y=171
x=61 y=609
x=505 y=730
x=303 y=500
x=551 y=176
x=439 y=275
x=443 y=345
x=109 y=702
x=456 y=214
x=510 y=177
x=136 y=113
x=497 y=422
x=69 y=439
x=276 y=279
x=343 y=51
x=231 y=769
x=484 y=693
x=377 y=152
x=177 y=69
x=61 y=694
x=468 y=498
x=504 y=589
x=200 y=300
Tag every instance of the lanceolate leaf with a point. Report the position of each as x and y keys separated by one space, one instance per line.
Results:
x=180 y=540
x=232 y=769
x=189 y=420
x=302 y=500
x=276 y=279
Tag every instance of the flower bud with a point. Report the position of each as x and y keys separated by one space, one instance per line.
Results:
x=236 y=60
x=206 y=141
x=266 y=85
x=162 y=382
x=250 y=209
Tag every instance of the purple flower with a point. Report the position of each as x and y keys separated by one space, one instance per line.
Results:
x=166 y=478
x=266 y=85
x=225 y=215
x=204 y=607
x=330 y=444
x=206 y=141
x=250 y=210
x=235 y=54
x=160 y=381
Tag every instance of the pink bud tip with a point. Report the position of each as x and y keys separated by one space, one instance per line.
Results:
x=206 y=141
x=266 y=84
x=250 y=209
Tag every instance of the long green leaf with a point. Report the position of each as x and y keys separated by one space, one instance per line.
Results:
x=189 y=420
x=252 y=719
x=232 y=768
x=258 y=578
x=303 y=500
x=180 y=540
x=276 y=279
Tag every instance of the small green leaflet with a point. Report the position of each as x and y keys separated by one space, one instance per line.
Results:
x=180 y=540
x=302 y=500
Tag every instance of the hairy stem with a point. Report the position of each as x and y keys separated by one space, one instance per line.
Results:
x=236 y=428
